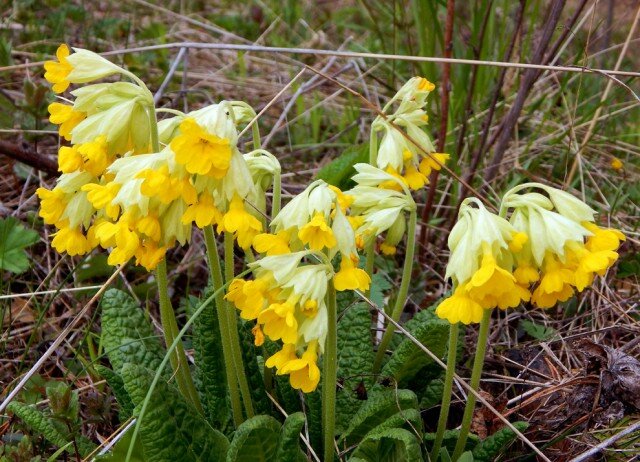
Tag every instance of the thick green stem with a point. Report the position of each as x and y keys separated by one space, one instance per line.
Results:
x=329 y=376
x=255 y=132
x=401 y=298
x=179 y=362
x=478 y=362
x=446 y=393
x=223 y=321
x=233 y=330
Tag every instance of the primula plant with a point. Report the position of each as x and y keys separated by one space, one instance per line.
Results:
x=295 y=289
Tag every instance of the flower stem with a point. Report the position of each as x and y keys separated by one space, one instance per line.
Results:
x=178 y=359
x=401 y=299
x=478 y=362
x=223 y=321
x=277 y=193
x=446 y=393
x=233 y=329
x=255 y=132
x=329 y=376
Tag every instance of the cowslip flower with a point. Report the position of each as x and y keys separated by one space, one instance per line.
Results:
x=409 y=160
x=480 y=265
x=566 y=250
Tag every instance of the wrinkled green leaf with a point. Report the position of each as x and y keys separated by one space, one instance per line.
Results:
x=376 y=410
x=255 y=440
x=408 y=359
x=14 y=238
x=210 y=377
x=488 y=450
x=119 y=451
x=127 y=335
x=289 y=443
x=392 y=444
x=117 y=386
x=449 y=440
x=339 y=171
x=252 y=369
x=171 y=427
x=432 y=394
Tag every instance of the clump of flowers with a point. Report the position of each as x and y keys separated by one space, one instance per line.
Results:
x=549 y=249
x=288 y=292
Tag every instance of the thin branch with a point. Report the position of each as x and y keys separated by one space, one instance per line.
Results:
x=27 y=156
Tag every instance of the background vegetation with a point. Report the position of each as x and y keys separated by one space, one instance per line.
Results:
x=501 y=125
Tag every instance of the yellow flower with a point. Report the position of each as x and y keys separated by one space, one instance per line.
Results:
x=493 y=286
x=279 y=359
x=518 y=240
x=69 y=159
x=201 y=152
x=387 y=249
x=304 y=373
x=248 y=296
x=350 y=277
x=258 y=336
x=555 y=285
x=240 y=222
x=434 y=161
x=272 y=244
x=150 y=227
x=96 y=155
x=526 y=274
x=414 y=178
x=344 y=200
x=617 y=164
x=149 y=254
x=52 y=204
x=460 y=307
x=166 y=187
x=57 y=72
x=101 y=196
x=72 y=241
x=317 y=233
x=280 y=322
x=204 y=212
x=66 y=117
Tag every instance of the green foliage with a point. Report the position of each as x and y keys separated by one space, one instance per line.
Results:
x=127 y=335
x=117 y=386
x=255 y=439
x=537 y=331
x=170 y=426
x=408 y=359
x=14 y=238
x=376 y=410
x=60 y=423
x=449 y=440
x=251 y=368
x=119 y=451
x=209 y=376
x=488 y=449
x=355 y=361
x=391 y=444
x=339 y=171
x=289 y=446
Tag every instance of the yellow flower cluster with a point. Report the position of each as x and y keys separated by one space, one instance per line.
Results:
x=287 y=295
x=549 y=249
x=410 y=155
x=116 y=192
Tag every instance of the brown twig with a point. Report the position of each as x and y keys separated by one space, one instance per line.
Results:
x=526 y=84
x=24 y=154
x=442 y=134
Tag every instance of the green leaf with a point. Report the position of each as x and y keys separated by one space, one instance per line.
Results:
x=14 y=238
x=127 y=335
x=449 y=440
x=537 y=331
x=251 y=368
x=313 y=401
x=393 y=444
x=119 y=451
x=432 y=394
x=117 y=386
x=408 y=359
x=45 y=425
x=255 y=440
x=488 y=450
x=289 y=445
x=376 y=410
x=339 y=171
x=379 y=286
x=466 y=457
x=210 y=377
x=171 y=427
